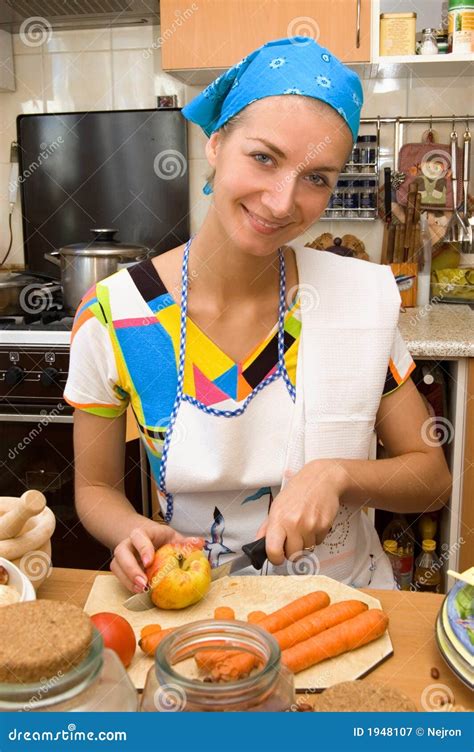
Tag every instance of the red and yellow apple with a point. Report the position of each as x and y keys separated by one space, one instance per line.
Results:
x=180 y=574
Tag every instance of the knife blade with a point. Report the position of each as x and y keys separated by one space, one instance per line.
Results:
x=252 y=554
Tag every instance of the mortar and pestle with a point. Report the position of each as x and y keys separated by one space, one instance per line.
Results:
x=26 y=527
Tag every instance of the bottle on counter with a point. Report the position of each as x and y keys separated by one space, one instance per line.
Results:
x=398 y=544
x=427 y=578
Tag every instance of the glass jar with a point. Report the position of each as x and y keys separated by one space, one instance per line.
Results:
x=269 y=688
x=351 y=199
x=337 y=200
x=99 y=683
x=429 y=44
x=367 y=153
x=367 y=198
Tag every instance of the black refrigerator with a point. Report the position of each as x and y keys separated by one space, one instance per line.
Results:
x=122 y=169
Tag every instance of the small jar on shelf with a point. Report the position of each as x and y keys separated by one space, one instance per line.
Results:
x=367 y=198
x=367 y=153
x=351 y=198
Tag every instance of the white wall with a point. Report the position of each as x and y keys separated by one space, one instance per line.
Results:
x=121 y=69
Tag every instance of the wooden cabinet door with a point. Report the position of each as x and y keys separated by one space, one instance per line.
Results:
x=218 y=33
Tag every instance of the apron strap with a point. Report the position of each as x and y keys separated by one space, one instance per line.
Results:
x=281 y=370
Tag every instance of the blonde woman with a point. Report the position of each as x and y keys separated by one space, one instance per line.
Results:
x=257 y=368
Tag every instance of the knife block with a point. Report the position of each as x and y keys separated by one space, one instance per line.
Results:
x=407 y=288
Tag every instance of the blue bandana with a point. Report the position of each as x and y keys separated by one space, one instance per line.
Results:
x=296 y=65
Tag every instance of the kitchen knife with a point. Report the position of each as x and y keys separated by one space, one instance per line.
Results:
x=252 y=554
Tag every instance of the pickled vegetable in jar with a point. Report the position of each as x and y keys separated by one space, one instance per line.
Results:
x=184 y=675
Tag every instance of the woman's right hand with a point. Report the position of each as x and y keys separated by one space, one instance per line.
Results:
x=135 y=553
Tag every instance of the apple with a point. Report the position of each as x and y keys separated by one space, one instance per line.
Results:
x=180 y=574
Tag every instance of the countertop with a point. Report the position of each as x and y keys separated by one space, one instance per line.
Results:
x=412 y=619
x=438 y=330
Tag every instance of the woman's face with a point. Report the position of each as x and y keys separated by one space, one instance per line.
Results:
x=279 y=166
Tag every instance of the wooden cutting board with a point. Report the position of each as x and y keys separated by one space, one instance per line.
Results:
x=245 y=594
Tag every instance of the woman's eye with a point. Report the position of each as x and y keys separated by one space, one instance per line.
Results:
x=318 y=180
x=265 y=156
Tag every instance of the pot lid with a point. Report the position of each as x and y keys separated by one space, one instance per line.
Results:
x=340 y=249
x=104 y=243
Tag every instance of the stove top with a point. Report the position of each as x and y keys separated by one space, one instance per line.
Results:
x=43 y=320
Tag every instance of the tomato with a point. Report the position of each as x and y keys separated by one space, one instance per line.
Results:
x=117 y=634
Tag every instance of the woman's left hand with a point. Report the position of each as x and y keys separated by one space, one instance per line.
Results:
x=303 y=512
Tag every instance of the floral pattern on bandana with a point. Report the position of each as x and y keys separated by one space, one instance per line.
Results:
x=283 y=66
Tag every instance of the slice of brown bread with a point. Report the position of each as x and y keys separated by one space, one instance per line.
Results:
x=358 y=696
x=42 y=638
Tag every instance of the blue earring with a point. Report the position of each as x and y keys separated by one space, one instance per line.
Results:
x=207 y=189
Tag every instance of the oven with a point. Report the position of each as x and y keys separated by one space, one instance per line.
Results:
x=36 y=442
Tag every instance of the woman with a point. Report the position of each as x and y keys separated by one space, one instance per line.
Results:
x=254 y=427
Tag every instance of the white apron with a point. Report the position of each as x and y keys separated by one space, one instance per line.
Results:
x=222 y=467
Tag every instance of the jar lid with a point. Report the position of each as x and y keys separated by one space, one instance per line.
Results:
x=458 y=4
x=42 y=638
x=397 y=15
x=429 y=545
x=390 y=546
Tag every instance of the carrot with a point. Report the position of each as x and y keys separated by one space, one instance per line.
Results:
x=294 y=611
x=224 y=612
x=149 y=629
x=317 y=622
x=150 y=641
x=227 y=666
x=348 y=635
x=255 y=616
x=234 y=666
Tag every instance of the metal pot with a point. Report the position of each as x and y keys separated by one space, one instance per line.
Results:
x=84 y=264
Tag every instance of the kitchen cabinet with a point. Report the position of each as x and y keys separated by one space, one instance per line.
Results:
x=7 y=76
x=220 y=32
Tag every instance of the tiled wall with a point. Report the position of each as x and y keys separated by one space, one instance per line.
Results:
x=113 y=69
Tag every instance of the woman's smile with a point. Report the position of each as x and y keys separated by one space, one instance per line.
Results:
x=260 y=225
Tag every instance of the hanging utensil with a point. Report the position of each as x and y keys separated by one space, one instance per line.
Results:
x=456 y=231
x=466 y=172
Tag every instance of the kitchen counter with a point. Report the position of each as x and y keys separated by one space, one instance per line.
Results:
x=438 y=331
x=412 y=619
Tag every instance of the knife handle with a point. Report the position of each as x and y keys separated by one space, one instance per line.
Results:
x=256 y=552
